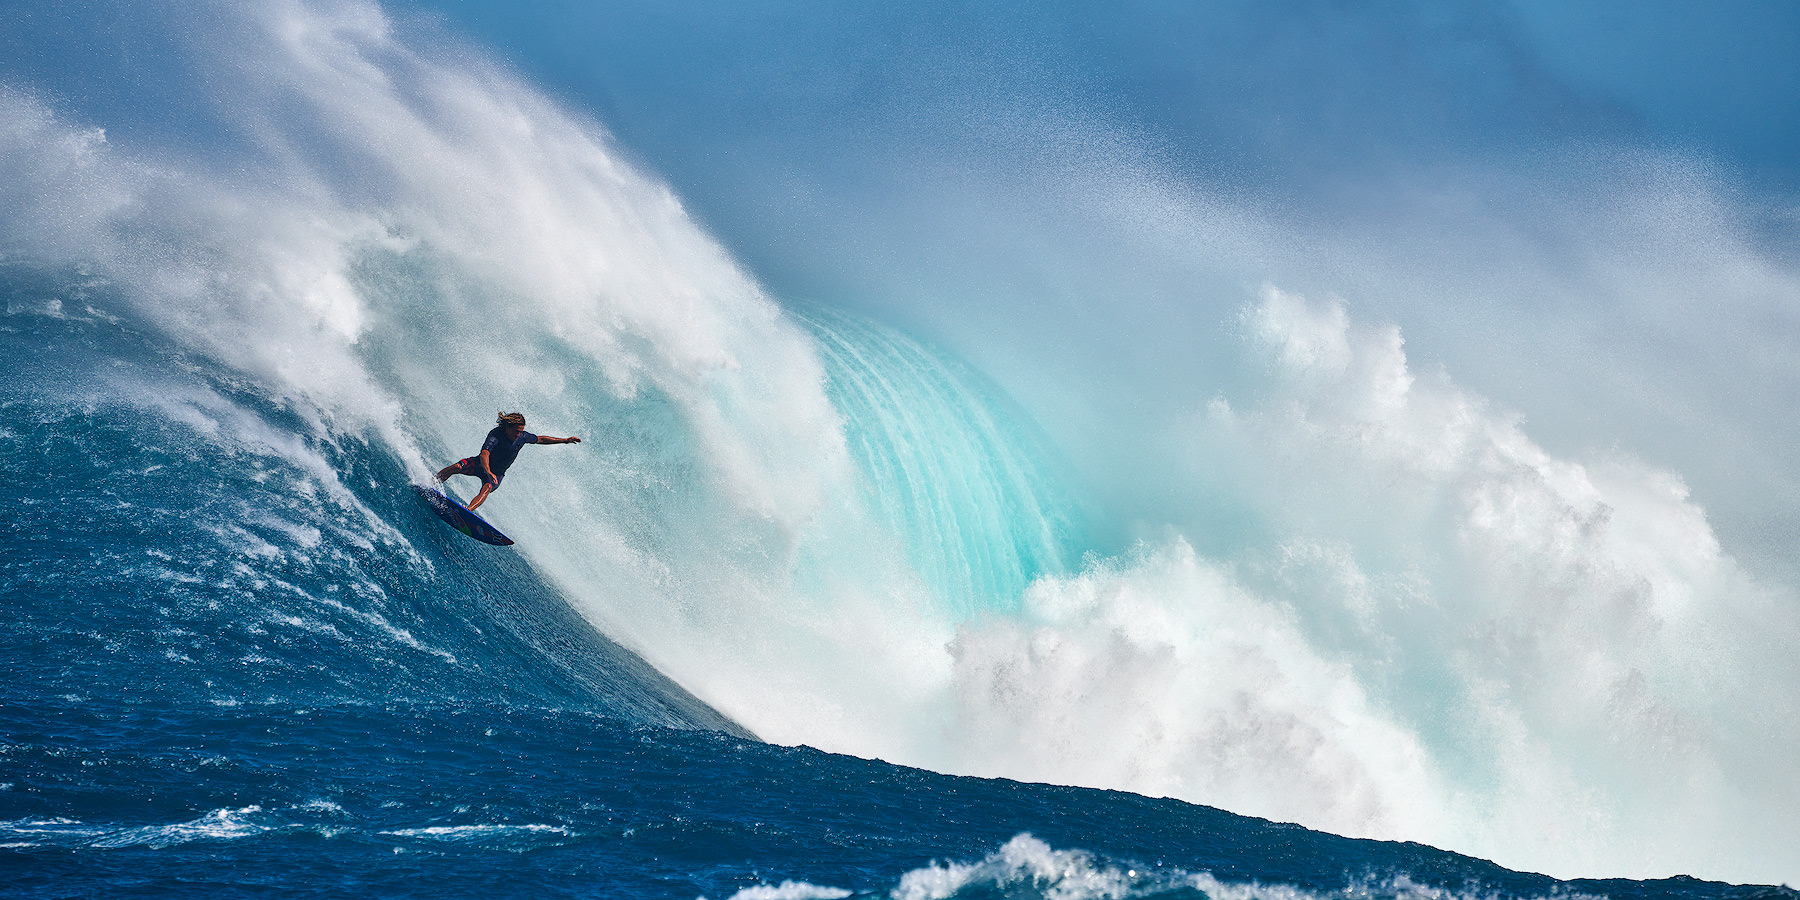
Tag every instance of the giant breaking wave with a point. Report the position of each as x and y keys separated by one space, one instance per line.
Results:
x=1422 y=625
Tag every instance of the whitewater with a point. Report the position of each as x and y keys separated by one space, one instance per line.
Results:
x=1333 y=587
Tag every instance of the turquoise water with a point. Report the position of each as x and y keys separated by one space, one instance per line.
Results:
x=967 y=482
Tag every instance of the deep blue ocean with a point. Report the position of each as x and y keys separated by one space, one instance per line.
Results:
x=1003 y=471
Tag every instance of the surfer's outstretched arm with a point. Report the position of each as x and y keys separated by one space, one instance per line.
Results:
x=544 y=439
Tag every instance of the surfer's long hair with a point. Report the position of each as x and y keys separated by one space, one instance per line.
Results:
x=511 y=418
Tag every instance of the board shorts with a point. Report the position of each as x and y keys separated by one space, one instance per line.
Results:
x=471 y=465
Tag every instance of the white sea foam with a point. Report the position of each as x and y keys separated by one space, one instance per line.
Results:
x=1462 y=638
x=790 y=890
x=496 y=836
x=53 y=832
x=1023 y=862
x=1028 y=867
x=476 y=832
x=394 y=632
x=218 y=825
x=1161 y=674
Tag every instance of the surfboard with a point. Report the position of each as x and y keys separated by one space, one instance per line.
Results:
x=461 y=517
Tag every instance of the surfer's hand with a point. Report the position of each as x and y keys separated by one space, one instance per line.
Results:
x=573 y=440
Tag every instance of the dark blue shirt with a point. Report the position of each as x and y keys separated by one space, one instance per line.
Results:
x=501 y=452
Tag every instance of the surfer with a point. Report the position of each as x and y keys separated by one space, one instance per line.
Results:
x=497 y=454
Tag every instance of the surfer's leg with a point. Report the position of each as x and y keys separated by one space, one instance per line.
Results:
x=460 y=467
x=487 y=487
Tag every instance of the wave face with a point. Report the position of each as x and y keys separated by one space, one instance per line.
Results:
x=244 y=309
x=178 y=532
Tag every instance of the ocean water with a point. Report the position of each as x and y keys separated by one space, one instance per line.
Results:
x=434 y=799
x=849 y=591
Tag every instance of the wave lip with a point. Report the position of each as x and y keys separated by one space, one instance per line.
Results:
x=963 y=477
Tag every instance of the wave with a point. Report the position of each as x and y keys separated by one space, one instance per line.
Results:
x=822 y=530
